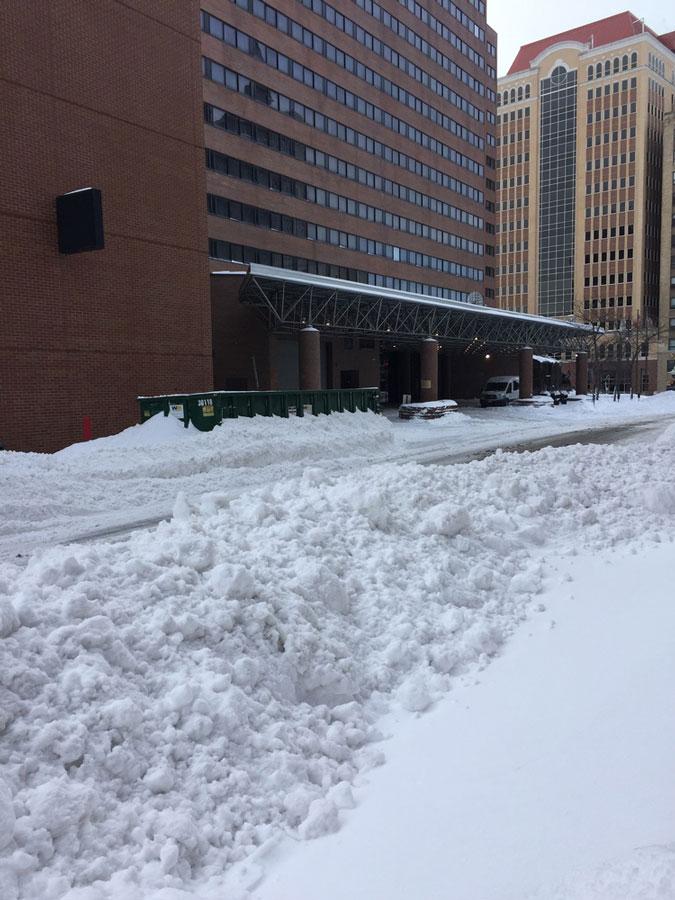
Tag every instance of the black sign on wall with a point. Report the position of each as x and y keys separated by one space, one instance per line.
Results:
x=79 y=218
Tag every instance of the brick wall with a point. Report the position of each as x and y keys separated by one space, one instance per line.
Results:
x=108 y=95
x=240 y=336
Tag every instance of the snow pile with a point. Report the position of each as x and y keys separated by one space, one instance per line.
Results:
x=142 y=469
x=172 y=702
x=648 y=873
x=134 y=476
x=431 y=404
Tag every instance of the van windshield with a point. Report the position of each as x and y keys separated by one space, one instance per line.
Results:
x=496 y=385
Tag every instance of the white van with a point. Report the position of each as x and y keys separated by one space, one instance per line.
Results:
x=500 y=390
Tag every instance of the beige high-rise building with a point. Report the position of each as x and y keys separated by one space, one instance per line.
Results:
x=579 y=178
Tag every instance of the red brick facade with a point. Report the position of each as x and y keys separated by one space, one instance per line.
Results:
x=258 y=108
x=108 y=95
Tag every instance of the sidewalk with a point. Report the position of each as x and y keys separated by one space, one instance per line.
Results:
x=551 y=778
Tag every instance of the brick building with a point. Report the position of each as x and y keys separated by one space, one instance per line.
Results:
x=354 y=141
x=580 y=119
x=352 y=144
x=104 y=94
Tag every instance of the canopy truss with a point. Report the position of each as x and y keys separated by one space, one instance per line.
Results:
x=292 y=300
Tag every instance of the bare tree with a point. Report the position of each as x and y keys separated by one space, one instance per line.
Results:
x=618 y=353
x=594 y=356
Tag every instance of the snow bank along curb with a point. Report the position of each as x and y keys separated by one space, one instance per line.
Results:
x=136 y=474
x=171 y=702
x=140 y=467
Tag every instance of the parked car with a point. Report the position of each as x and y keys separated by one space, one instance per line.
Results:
x=500 y=390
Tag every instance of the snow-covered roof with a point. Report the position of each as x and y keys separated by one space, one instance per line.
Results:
x=355 y=287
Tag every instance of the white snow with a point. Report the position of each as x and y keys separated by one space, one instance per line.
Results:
x=549 y=777
x=135 y=476
x=174 y=702
x=431 y=404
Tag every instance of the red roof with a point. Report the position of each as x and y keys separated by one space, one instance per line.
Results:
x=668 y=40
x=604 y=31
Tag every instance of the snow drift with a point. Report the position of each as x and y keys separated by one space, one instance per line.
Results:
x=171 y=702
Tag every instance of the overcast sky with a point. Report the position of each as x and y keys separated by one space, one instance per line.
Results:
x=522 y=21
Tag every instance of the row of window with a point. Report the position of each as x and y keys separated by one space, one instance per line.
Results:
x=324 y=48
x=513 y=225
x=281 y=144
x=599 y=302
x=511 y=289
x=514 y=137
x=514 y=247
x=657 y=65
x=516 y=159
x=615 y=160
x=613 y=185
x=514 y=95
x=611 y=256
x=608 y=279
x=275 y=181
x=388 y=53
x=613 y=88
x=459 y=14
x=512 y=268
x=609 y=208
x=239 y=40
x=610 y=112
x=298 y=111
x=411 y=37
x=518 y=181
x=612 y=67
x=300 y=228
x=514 y=115
x=518 y=203
x=606 y=137
x=603 y=233
x=240 y=253
x=432 y=22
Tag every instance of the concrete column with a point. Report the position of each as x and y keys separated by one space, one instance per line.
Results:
x=404 y=362
x=526 y=373
x=581 y=379
x=310 y=359
x=445 y=389
x=429 y=370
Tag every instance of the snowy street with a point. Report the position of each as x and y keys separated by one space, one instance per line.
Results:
x=338 y=669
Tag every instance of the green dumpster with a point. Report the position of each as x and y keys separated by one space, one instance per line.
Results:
x=204 y=411
x=208 y=409
x=152 y=406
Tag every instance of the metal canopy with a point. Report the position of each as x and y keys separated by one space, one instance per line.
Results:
x=290 y=300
